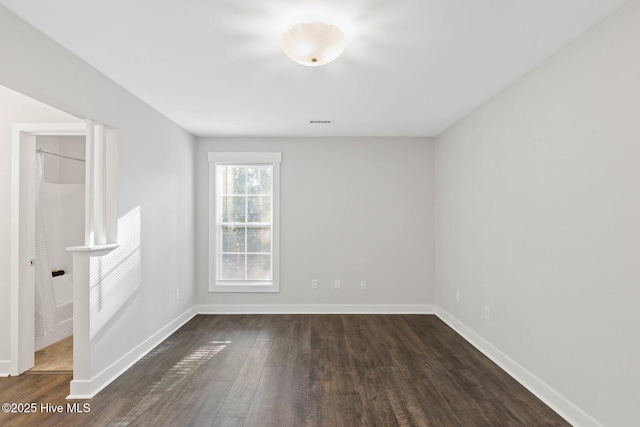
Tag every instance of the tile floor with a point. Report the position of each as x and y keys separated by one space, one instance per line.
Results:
x=57 y=358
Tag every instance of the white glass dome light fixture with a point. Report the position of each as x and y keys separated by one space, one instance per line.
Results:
x=313 y=43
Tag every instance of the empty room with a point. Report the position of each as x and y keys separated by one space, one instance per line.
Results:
x=320 y=213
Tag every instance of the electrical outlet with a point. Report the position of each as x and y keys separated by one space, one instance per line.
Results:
x=336 y=284
x=363 y=285
x=458 y=296
x=314 y=284
x=487 y=312
x=177 y=294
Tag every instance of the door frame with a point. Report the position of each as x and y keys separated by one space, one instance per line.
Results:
x=23 y=151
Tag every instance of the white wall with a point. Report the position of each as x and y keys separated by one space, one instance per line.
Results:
x=538 y=207
x=155 y=173
x=61 y=170
x=14 y=108
x=351 y=209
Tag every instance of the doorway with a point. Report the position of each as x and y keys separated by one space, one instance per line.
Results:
x=28 y=139
x=60 y=192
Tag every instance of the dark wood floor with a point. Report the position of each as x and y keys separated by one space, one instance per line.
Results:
x=298 y=370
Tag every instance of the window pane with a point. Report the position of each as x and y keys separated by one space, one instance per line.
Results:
x=232 y=267
x=259 y=239
x=233 y=180
x=233 y=209
x=239 y=175
x=259 y=267
x=233 y=239
x=259 y=179
x=259 y=209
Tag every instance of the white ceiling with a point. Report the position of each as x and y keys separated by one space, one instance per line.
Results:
x=215 y=67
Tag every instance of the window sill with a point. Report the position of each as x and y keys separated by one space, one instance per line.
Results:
x=244 y=287
x=94 y=250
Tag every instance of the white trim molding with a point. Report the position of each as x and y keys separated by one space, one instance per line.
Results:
x=564 y=407
x=225 y=157
x=86 y=389
x=316 y=309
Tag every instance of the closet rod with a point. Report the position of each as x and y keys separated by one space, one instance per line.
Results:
x=60 y=155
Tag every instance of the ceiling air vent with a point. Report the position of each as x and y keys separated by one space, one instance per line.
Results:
x=321 y=122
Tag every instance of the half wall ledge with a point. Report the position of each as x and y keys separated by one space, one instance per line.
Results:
x=95 y=250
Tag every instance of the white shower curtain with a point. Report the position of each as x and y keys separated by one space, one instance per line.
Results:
x=46 y=316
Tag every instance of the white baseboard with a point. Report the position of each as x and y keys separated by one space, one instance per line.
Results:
x=565 y=408
x=86 y=389
x=316 y=309
x=5 y=368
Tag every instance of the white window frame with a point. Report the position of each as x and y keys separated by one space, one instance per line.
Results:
x=247 y=158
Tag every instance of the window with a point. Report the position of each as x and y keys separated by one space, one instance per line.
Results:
x=244 y=201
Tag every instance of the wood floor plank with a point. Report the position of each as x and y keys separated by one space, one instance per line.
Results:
x=323 y=350
x=267 y=407
x=408 y=363
x=289 y=361
x=442 y=398
x=215 y=360
x=348 y=401
x=238 y=401
x=365 y=342
x=298 y=370
x=494 y=393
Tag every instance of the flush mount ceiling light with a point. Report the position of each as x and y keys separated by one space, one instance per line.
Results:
x=313 y=43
